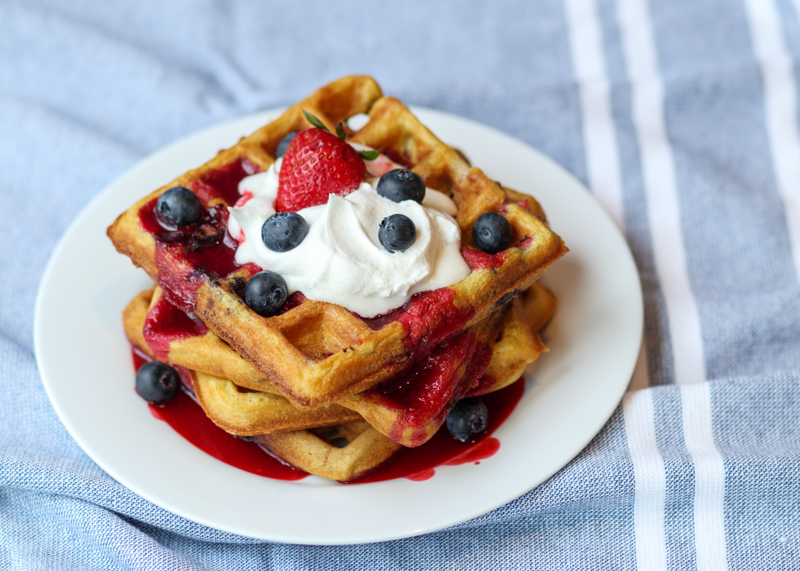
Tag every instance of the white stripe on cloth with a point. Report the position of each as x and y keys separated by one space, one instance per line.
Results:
x=709 y=476
x=660 y=188
x=780 y=100
x=650 y=481
x=602 y=157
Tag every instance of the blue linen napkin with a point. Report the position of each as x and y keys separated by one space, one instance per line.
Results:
x=681 y=116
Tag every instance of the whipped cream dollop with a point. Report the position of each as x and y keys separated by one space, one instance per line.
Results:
x=341 y=260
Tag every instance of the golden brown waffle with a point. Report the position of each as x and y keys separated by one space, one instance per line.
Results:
x=331 y=442
x=539 y=304
x=317 y=352
x=207 y=353
x=342 y=452
x=520 y=343
x=247 y=412
x=516 y=346
x=346 y=452
x=410 y=408
x=233 y=408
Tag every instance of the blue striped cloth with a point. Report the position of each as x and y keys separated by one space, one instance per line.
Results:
x=682 y=116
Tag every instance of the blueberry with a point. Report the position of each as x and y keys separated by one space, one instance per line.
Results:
x=179 y=206
x=491 y=233
x=400 y=184
x=467 y=419
x=283 y=231
x=157 y=382
x=396 y=233
x=266 y=293
x=284 y=143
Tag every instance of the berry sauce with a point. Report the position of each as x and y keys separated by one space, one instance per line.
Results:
x=187 y=418
x=429 y=318
x=423 y=395
x=166 y=323
x=186 y=257
x=444 y=450
x=477 y=260
x=223 y=183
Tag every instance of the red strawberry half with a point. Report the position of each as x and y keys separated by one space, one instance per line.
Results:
x=316 y=165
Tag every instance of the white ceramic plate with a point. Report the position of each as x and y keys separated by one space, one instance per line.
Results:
x=85 y=363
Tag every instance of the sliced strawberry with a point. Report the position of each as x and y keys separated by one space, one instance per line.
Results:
x=316 y=165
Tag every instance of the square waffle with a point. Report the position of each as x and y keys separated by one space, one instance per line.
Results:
x=333 y=441
x=317 y=353
x=408 y=409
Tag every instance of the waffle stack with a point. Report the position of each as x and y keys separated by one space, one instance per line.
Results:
x=318 y=375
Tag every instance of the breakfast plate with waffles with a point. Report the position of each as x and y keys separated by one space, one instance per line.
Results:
x=358 y=322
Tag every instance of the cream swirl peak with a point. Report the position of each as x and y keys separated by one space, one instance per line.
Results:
x=341 y=260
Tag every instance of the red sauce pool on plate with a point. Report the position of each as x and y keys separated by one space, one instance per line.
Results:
x=187 y=418
x=444 y=450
